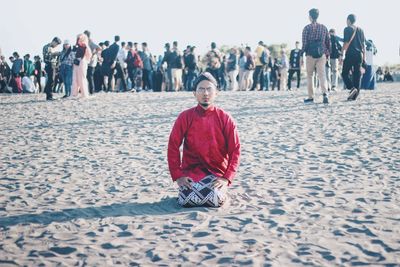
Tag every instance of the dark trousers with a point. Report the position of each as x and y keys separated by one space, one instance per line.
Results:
x=291 y=72
x=90 y=78
x=133 y=74
x=147 y=79
x=98 y=79
x=190 y=78
x=51 y=75
x=352 y=63
x=121 y=75
x=258 y=77
x=38 y=79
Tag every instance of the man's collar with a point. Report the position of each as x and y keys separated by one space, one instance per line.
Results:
x=203 y=111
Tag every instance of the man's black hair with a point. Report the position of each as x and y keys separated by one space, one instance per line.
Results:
x=314 y=14
x=57 y=40
x=117 y=38
x=87 y=33
x=205 y=76
x=351 y=18
x=123 y=43
x=213 y=45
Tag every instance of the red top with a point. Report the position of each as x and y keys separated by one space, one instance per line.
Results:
x=211 y=145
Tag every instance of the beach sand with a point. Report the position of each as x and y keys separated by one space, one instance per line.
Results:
x=86 y=182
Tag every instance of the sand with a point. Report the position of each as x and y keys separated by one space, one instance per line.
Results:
x=86 y=183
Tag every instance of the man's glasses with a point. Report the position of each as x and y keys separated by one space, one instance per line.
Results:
x=203 y=90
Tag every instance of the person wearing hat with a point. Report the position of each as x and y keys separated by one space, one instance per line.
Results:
x=211 y=149
x=50 y=58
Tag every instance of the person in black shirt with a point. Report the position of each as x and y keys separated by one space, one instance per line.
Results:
x=169 y=58
x=50 y=57
x=295 y=62
x=191 y=69
x=332 y=67
x=354 y=50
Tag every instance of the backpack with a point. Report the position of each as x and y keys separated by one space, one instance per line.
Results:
x=134 y=60
x=316 y=49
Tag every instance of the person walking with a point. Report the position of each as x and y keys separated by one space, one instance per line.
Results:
x=354 y=51
x=333 y=64
x=316 y=45
x=368 y=79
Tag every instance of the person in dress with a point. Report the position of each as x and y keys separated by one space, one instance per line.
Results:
x=82 y=57
x=211 y=149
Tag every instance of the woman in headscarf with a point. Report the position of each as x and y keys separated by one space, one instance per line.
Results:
x=82 y=57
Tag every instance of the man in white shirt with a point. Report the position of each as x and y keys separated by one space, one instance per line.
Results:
x=121 y=66
x=284 y=70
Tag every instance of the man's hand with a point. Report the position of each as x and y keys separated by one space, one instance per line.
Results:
x=184 y=183
x=219 y=183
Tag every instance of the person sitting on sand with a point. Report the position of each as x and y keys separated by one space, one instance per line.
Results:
x=211 y=149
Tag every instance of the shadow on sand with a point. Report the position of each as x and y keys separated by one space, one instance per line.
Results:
x=165 y=206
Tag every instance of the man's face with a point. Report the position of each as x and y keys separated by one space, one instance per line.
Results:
x=205 y=93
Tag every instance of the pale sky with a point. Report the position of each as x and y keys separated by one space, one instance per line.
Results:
x=27 y=25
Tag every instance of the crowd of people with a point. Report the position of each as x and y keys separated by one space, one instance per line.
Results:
x=85 y=67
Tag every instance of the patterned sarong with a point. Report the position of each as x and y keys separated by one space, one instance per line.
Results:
x=202 y=194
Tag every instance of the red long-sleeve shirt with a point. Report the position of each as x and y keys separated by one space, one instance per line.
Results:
x=210 y=145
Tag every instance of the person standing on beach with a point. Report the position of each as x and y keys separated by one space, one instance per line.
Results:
x=17 y=69
x=66 y=67
x=284 y=70
x=5 y=74
x=258 y=75
x=82 y=57
x=94 y=48
x=332 y=68
x=354 y=51
x=295 y=62
x=316 y=45
x=50 y=58
x=211 y=149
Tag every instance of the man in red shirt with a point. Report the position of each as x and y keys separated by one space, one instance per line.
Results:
x=211 y=149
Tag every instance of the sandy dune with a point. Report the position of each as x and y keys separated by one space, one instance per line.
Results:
x=85 y=183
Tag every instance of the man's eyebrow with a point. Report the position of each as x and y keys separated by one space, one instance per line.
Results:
x=206 y=87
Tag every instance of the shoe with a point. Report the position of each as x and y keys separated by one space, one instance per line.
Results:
x=309 y=100
x=50 y=99
x=333 y=89
x=65 y=96
x=326 y=100
x=353 y=95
